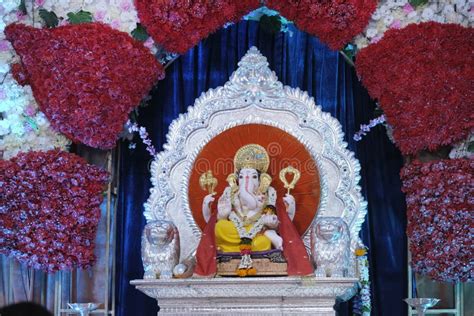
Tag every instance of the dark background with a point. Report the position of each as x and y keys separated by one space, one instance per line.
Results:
x=299 y=60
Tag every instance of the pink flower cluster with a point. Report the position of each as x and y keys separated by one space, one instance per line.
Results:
x=86 y=78
x=422 y=76
x=180 y=25
x=365 y=128
x=440 y=202
x=133 y=128
x=49 y=209
x=334 y=22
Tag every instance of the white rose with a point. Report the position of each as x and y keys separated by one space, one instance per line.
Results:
x=388 y=20
x=448 y=9
x=377 y=15
x=412 y=15
x=384 y=10
x=427 y=14
x=439 y=19
x=389 y=4
x=361 y=42
x=400 y=3
x=17 y=128
x=41 y=119
x=435 y=7
x=9 y=5
x=371 y=32
x=4 y=68
x=4 y=127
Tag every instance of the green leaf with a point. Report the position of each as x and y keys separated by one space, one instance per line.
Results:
x=139 y=33
x=31 y=122
x=79 y=17
x=349 y=50
x=49 y=17
x=22 y=7
x=366 y=309
x=470 y=147
x=417 y=3
x=270 y=23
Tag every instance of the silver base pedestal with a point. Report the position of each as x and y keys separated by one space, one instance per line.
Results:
x=248 y=296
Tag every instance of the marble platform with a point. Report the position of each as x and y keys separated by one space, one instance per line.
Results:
x=247 y=296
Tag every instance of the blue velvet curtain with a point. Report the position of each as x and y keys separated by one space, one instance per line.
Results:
x=299 y=60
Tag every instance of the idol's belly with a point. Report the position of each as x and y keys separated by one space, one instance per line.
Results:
x=228 y=239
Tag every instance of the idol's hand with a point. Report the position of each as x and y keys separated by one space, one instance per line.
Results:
x=260 y=200
x=206 y=206
x=224 y=205
x=271 y=221
x=290 y=205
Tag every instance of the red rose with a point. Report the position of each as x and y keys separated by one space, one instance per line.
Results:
x=180 y=25
x=334 y=22
x=50 y=209
x=86 y=78
x=440 y=211
x=422 y=76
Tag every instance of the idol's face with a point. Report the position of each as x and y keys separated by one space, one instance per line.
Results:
x=248 y=180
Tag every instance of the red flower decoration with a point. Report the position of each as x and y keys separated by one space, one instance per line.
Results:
x=20 y=74
x=440 y=209
x=85 y=77
x=180 y=25
x=49 y=209
x=422 y=75
x=334 y=22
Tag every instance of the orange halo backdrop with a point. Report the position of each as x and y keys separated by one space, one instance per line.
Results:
x=283 y=149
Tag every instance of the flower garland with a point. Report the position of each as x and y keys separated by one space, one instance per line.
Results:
x=362 y=303
x=427 y=95
x=180 y=25
x=245 y=266
x=50 y=209
x=396 y=14
x=334 y=22
x=101 y=74
x=440 y=206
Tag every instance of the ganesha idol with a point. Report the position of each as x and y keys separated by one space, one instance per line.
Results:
x=246 y=228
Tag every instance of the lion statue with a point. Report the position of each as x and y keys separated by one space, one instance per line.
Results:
x=330 y=245
x=160 y=249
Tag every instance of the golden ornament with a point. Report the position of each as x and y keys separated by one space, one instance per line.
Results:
x=208 y=182
x=296 y=176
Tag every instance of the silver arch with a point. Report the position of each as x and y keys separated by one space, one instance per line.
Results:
x=254 y=95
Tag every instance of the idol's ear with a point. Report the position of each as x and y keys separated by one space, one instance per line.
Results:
x=265 y=181
x=232 y=180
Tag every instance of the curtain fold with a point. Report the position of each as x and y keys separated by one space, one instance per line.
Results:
x=299 y=60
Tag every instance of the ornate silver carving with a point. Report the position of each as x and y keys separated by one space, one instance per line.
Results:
x=160 y=249
x=330 y=245
x=254 y=95
x=266 y=295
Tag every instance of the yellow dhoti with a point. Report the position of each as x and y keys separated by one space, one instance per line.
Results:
x=228 y=239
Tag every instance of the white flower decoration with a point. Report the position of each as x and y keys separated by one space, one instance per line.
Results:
x=388 y=11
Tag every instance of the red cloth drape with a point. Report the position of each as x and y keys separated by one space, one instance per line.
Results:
x=206 y=252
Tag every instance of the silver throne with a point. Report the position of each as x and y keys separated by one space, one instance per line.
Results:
x=253 y=95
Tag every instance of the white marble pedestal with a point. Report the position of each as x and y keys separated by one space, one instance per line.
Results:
x=247 y=296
